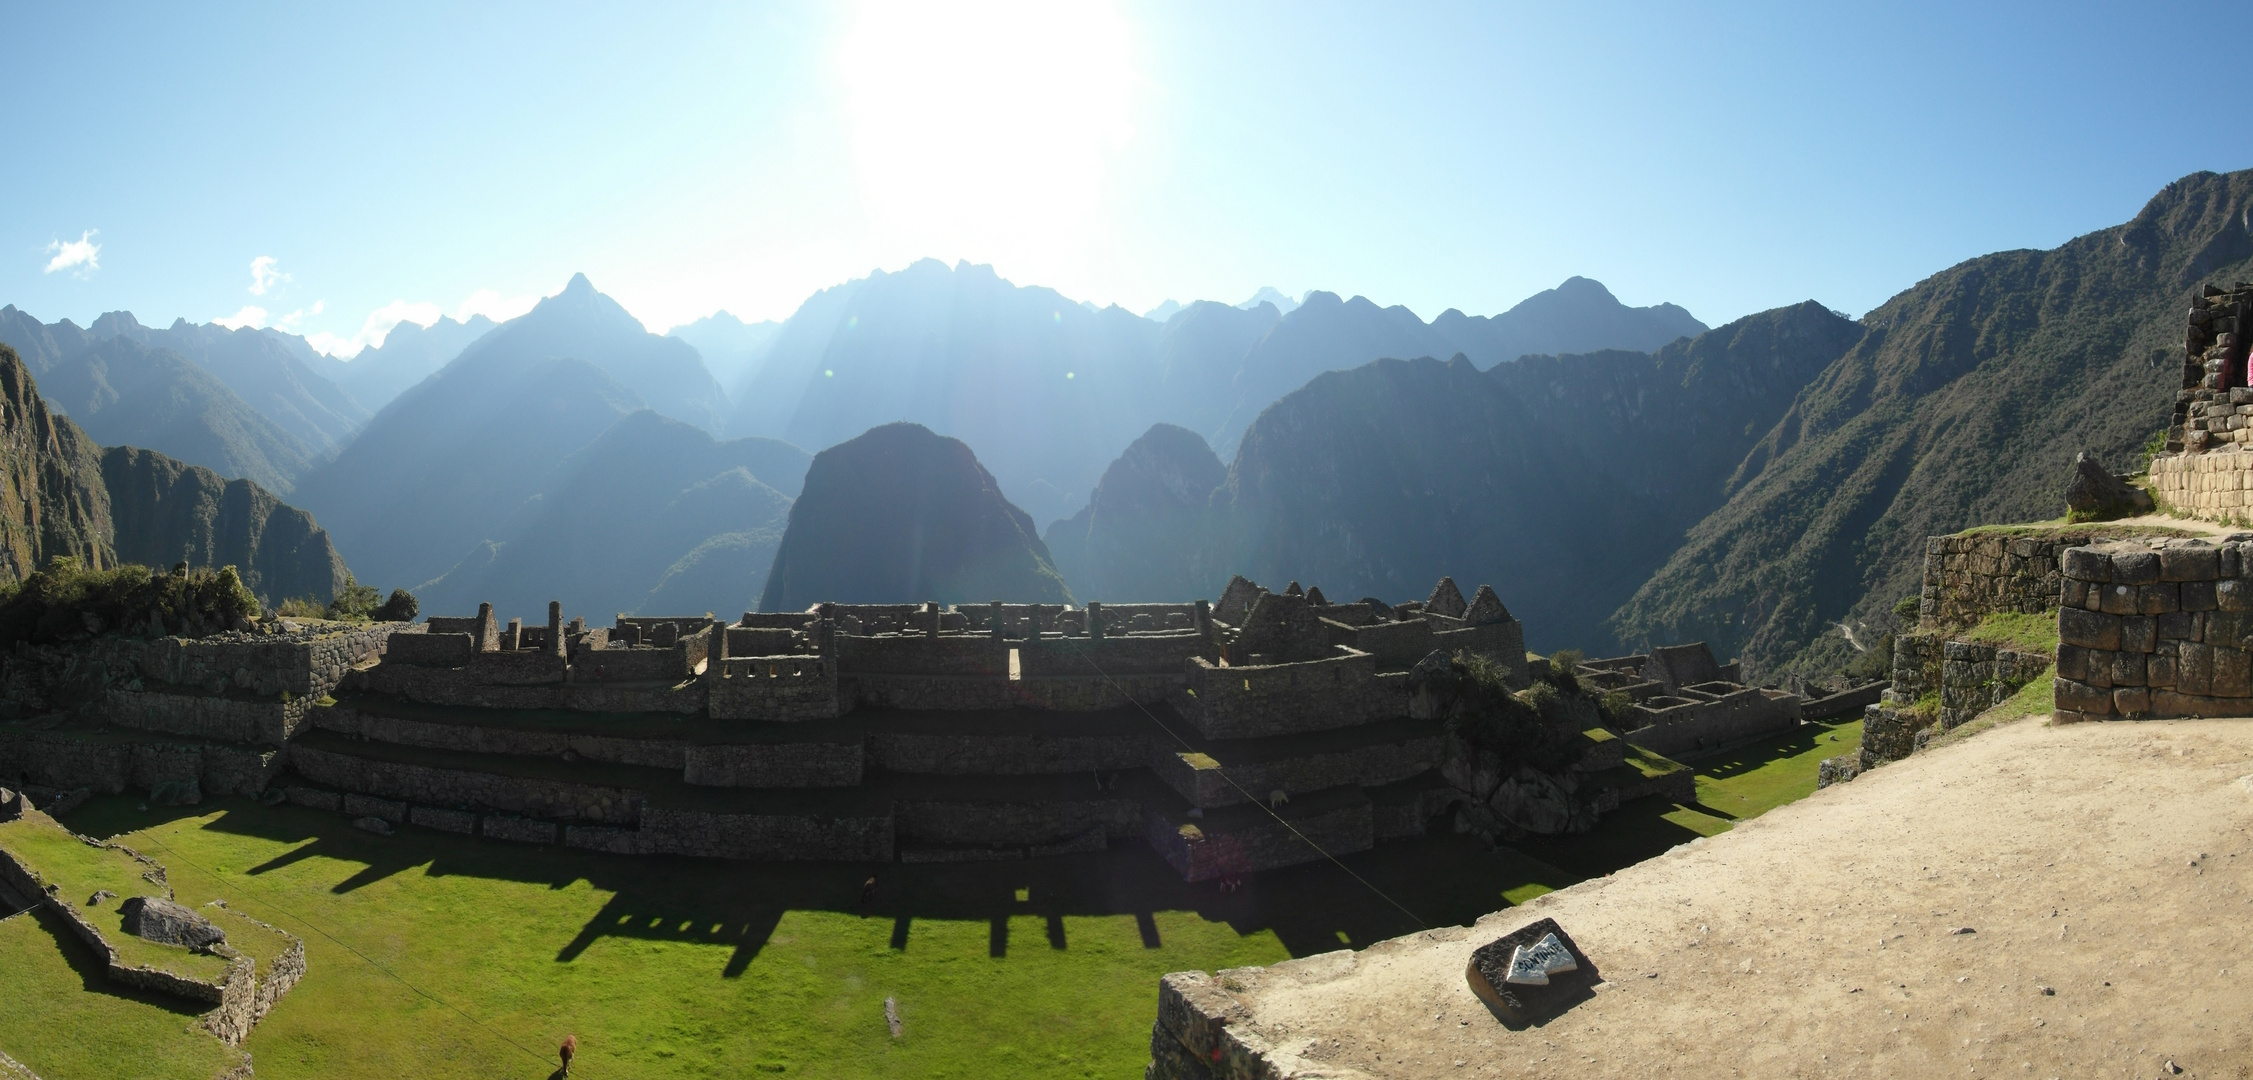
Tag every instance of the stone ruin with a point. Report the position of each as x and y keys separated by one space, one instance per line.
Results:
x=1684 y=702
x=2207 y=468
x=859 y=732
x=1215 y=733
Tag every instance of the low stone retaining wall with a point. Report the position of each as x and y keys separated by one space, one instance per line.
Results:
x=202 y=716
x=237 y=999
x=775 y=765
x=1030 y=821
x=1199 y=778
x=483 y=739
x=558 y=799
x=965 y=754
x=1938 y=685
x=62 y=759
x=2217 y=486
x=2156 y=629
x=806 y=837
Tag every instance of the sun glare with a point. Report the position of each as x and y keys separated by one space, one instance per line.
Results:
x=986 y=129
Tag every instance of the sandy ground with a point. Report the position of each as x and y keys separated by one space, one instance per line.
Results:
x=2195 y=526
x=2106 y=871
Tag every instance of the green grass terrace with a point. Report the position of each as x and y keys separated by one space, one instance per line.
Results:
x=438 y=956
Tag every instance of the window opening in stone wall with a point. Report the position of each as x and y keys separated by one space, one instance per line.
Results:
x=1014 y=673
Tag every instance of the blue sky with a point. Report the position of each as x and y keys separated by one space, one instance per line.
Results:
x=336 y=168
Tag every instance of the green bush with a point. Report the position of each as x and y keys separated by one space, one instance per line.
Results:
x=1874 y=664
x=1906 y=608
x=64 y=600
x=1540 y=726
x=354 y=602
x=302 y=607
x=401 y=607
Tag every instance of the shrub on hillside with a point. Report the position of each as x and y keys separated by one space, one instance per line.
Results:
x=64 y=600
x=401 y=607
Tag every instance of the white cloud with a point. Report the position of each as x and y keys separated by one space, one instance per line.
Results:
x=250 y=315
x=81 y=257
x=263 y=276
x=493 y=306
x=289 y=322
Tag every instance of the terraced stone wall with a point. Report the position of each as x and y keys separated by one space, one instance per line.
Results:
x=59 y=760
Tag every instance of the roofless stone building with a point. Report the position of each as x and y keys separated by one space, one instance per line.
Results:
x=1219 y=734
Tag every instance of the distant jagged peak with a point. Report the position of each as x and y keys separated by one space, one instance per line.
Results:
x=1269 y=294
x=119 y=324
x=580 y=298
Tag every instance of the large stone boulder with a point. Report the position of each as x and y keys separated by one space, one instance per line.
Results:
x=169 y=922
x=2094 y=493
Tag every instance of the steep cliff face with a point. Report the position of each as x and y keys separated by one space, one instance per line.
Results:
x=52 y=501
x=167 y=511
x=1127 y=544
x=901 y=515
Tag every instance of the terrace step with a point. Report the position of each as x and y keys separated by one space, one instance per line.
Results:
x=1242 y=839
x=1226 y=772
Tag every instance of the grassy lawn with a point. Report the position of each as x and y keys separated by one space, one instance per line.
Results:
x=687 y=968
x=63 y=1019
x=438 y=956
x=2016 y=630
x=1739 y=784
x=79 y=869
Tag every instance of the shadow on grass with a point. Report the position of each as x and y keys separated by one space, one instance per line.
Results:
x=1744 y=759
x=1317 y=907
x=92 y=974
x=1636 y=831
x=1313 y=908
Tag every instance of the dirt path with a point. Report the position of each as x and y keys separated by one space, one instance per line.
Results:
x=2109 y=863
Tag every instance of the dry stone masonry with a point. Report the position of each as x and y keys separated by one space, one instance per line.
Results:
x=2156 y=629
x=1220 y=734
x=1685 y=702
x=2207 y=469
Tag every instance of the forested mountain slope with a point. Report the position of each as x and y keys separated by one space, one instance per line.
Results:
x=1563 y=481
x=1964 y=405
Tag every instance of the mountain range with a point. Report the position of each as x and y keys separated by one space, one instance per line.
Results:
x=1964 y=402
x=1623 y=476
x=1754 y=487
x=1048 y=390
x=410 y=353
x=1563 y=481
